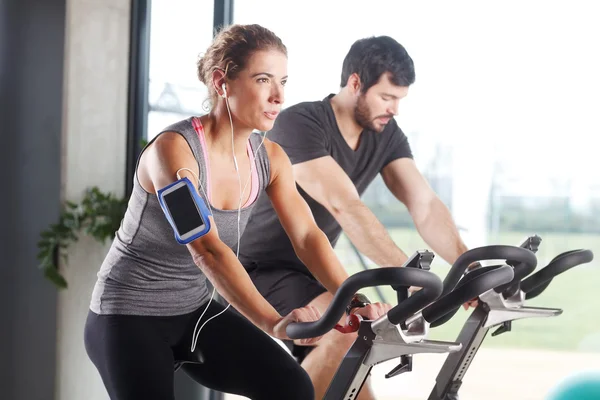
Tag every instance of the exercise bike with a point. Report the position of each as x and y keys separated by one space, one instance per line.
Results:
x=499 y=307
x=402 y=331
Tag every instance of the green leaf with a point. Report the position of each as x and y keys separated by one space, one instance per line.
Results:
x=55 y=277
x=98 y=215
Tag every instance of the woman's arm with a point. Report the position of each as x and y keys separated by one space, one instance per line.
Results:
x=158 y=168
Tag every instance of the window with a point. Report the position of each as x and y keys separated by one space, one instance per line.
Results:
x=180 y=32
x=502 y=121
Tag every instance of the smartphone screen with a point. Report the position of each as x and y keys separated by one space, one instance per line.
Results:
x=184 y=212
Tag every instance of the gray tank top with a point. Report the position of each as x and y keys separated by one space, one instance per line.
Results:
x=146 y=272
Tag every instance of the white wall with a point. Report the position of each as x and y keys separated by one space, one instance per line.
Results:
x=94 y=154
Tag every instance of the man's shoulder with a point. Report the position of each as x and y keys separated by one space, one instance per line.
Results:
x=394 y=142
x=306 y=109
x=301 y=121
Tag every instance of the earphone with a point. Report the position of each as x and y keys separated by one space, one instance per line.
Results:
x=196 y=334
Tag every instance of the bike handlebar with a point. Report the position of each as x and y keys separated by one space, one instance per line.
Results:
x=396 y=276
x=495 y=252
x=538 y=282
x=469 y=288
x=521 y=269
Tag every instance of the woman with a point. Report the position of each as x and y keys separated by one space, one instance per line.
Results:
x=151 y=297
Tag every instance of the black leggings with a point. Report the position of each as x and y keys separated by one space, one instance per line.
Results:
x=135 y=356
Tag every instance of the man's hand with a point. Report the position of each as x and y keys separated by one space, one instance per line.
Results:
x=372 y=311
x=413 y=289
x=473 y=303
x=304 y=314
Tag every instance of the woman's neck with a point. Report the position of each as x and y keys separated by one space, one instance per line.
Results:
x=218 y=131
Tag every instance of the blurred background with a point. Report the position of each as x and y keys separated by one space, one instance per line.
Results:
x=503 y=122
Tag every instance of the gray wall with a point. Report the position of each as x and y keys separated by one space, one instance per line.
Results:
x=31 y=78
x=94 y=151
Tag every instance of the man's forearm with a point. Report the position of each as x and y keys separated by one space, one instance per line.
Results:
x=369 y=235
x=318 y=256
x=437 y=228
x=231 y=281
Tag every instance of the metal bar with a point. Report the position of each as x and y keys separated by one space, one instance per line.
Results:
x=455 y=367
x=139 y=66
x=352 y=372
x=223 y=14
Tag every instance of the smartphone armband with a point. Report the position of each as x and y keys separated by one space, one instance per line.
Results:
x=185 y=210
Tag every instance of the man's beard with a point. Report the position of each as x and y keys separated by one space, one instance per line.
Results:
x=362 y=115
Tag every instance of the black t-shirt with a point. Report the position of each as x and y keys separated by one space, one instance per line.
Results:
x=307 y=131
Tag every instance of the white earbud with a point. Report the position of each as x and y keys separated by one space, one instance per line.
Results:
x=224 y=95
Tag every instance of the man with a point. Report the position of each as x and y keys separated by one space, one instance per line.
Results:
x=337 y=147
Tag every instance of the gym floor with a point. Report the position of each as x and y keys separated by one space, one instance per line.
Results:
x=496 y=374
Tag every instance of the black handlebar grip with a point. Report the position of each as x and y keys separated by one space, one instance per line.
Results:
x=495 y=252
x=536 y=283
x=538 y=290
x=417 y=301
x=467 y=291
x=400 y=276
x=521 y=269
x=468 y=278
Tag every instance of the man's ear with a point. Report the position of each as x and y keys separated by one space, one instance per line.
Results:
x=354 y=83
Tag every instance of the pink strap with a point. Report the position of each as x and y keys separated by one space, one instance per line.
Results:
x=254 y=180
x=200 y=131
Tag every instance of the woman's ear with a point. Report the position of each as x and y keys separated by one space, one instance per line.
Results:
x=218 y=81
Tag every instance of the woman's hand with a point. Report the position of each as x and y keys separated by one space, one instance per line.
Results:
x=304 y=314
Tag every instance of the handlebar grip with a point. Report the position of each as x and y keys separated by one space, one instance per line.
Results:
x=538 y=290
x=468 y=290
x=536 y=283
x=521 y=269
x=417 y=301
x=495 y=252
x=399 y=276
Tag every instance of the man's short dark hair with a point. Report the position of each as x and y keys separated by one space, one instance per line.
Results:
x=374 y=56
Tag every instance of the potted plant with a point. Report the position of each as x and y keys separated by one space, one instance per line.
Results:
x=98 y=214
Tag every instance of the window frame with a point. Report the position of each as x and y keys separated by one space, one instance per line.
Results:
x=139 y=76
